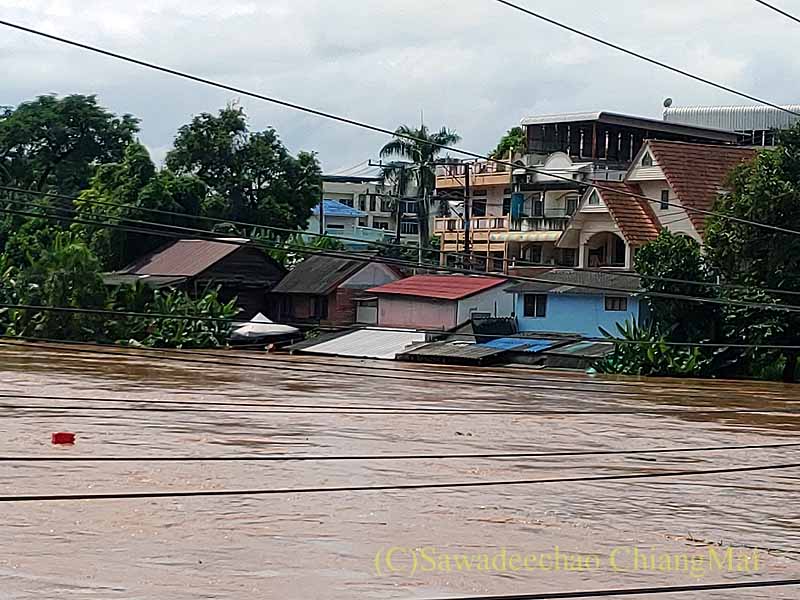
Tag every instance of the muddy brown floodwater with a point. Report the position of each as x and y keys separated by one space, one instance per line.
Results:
x=314 y=545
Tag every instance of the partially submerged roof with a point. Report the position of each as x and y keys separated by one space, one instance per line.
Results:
x=631 y=212
x=697 y=173
x=647 y=123
x=364 y=343
x=576 y=281
x=334 y=208
x=442 y=287
x=183 y=258
x=319 y=275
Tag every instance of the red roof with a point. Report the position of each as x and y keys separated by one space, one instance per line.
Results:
x=634 y=216
x=444 y=287
x=184 y=258
x=698 y=172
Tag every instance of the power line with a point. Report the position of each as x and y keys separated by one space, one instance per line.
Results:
x=779 y=11
x=383 y=488
x=652 y=61
x=396 y=134
x=193 y=233
x=649 y=591
x=375 y=243
x=384 y=457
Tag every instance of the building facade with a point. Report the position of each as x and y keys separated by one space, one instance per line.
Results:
x=565 y=154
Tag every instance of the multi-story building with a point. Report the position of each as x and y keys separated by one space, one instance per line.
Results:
x=377 y=200
x=528 y=209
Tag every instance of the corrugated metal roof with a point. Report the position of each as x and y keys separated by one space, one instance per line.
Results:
x=454 y=352
x=368 y=343
x=184 y=258
x=734 y=118
x=566 y=281
x=318 y=275
x=334 y=208
x=633 y=121
x=443 y=287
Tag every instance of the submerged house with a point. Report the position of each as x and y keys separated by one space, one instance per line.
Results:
x=240 y=270
x=578 y=302
x=325 y=290
x=441 y=301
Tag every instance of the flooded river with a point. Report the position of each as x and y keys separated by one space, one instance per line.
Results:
x=364 y=544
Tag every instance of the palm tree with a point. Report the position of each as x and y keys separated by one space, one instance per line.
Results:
x=422 y=148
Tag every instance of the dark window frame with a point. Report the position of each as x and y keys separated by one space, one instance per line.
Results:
x=534 y=306
x=616 y=303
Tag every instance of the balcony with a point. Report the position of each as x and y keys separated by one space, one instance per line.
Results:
x=455 y=224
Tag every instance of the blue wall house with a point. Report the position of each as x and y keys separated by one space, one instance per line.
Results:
x=570 y=302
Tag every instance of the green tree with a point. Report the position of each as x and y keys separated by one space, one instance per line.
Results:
x=251 y=175
x=54 y=144
x=765 y=190
x=423 y=151
x=127 y=190
x=679 y=257
x=64 y=274
x=513 y=142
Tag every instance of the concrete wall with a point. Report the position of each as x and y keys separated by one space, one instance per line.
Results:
x=412 y=312
x=582 y=314
x=496 y=302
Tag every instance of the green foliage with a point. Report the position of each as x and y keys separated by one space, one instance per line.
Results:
x=126 y=190
x=513 y=142
x=644 y=351
x=54 y=143
x=290 y=252
x=160 y=332
x=765 y=190
x=64 y=274
x=423 y=154
x=672 y=256
x=251 y=175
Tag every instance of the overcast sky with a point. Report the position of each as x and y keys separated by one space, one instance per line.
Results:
x=472 y=65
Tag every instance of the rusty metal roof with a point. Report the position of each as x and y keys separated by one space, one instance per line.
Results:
x=184 y=258
x=444 y=287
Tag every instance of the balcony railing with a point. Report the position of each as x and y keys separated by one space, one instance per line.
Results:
x=538 y=224
x=454 y=224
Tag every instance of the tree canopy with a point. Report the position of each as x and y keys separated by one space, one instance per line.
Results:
x=251 y=176
x=513 y=142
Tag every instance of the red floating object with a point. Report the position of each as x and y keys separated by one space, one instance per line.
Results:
x=63 y=438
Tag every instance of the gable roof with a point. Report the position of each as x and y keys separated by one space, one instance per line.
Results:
x=442 y=287
x=183 y=258
x=698 y=172
x=574 y=281
x=318 y=275
x=334 y=208
x=634 y=216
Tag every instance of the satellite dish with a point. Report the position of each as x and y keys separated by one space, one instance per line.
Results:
x=667 y=102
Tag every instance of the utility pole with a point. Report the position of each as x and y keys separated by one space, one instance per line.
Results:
x=467 y=216
x=322 y=214
x=401 y=192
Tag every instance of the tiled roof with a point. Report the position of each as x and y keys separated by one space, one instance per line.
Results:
x=318 y=275
x=634 y=216
x=334 y=208
x=184 y=258
x=443 y=287
x=575 y=281
x=698 y=172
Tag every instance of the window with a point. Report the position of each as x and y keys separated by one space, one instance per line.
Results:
x=347 y=201
x=372 y=202
x=333 y=226
x=362 y=202
x=409 y=228
x=363 y=222
x=535 y=254
x=572 y=205
x=647 y=160
x=594 y=199
x=664 y=199
x=506 y=206
x=616 y=304
x=569 y=257
x=381 y=225
x=535 y=306
x=386 y=205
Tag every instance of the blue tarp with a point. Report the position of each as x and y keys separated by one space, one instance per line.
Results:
x=521 y=344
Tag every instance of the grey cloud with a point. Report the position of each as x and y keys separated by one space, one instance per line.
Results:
x=472 y=65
